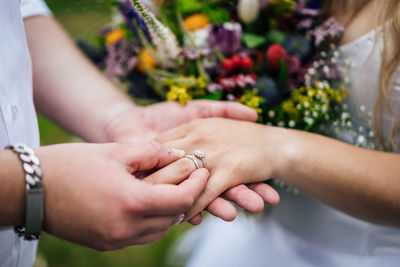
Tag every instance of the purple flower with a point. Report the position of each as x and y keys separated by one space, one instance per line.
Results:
x=329 y=29
x=212 y=87
x=120 y=62
x=226 y=37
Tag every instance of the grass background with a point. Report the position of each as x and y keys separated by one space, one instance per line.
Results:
x=83 y=19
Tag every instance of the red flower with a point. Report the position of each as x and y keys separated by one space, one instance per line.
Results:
x=274 y=53
x=246 y=63
x=293 y=64
x=228 y=65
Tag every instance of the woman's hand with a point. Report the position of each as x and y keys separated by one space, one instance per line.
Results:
x=138 y=124
x=236 y=153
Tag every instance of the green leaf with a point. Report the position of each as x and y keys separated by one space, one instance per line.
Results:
x=217 y=95
x=191 y=6
x=283 y=73
x=217 y=15
x=252 y=40
x=276 y=37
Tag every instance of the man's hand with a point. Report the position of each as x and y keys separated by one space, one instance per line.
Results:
x=137 y=124
x=93 y=198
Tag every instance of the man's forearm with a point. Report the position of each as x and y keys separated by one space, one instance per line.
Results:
x=67 y=87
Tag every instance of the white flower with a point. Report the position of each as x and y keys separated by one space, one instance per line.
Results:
x=309 y=120
x=200 y=37
x=233 y=26
x=248 y=10
x=271 y=113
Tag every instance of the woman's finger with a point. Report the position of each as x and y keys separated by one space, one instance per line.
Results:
x=196 y=220
x=174 y=134
x=245 y=197
x=175 y=173
x=166 y=199
x=266 y=192
x=216 y=185
x=231 y=110
x=223 y=209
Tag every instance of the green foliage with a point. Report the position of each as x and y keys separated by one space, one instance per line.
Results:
x=213 y=96
x=210 y=8
x=276 y=37
x=252 y=40
x=283 y=73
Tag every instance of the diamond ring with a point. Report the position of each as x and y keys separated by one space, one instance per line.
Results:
x=201 y=156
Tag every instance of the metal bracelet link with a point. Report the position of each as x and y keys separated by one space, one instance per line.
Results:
x=33 y=193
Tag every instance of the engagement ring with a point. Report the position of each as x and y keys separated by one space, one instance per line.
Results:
x=201 y=156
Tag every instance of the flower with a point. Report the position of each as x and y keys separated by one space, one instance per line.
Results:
x=252 y=100
x=179 y=93
x=114 y=36
x=198 y=38
x=196 y=22
x=146 y=60
x=248 y=10
x=237 y=81
x=130 y=15
x=275 y=54
x=269 y=90
x=226 y=37
x=329 y=29
x=119 y=62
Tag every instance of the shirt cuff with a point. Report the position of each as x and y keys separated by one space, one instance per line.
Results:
x=30 y=8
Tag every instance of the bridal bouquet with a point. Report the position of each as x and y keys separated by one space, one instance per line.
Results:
x=275 y=56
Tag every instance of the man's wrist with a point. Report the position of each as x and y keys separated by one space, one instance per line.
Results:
x=12 y=201
x=115 y=116
x=34 y=199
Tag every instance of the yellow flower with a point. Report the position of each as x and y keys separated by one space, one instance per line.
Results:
x=289 y=107
x=196 y=22
x=115 y=36
x=146 y=60
x=178 y=93
x=252 y=100
x=201 y=82
x=290 y=3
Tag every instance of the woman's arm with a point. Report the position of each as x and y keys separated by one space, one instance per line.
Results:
x=362 y=183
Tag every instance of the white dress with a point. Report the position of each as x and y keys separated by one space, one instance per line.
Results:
x=18 y=123
x=301 y=231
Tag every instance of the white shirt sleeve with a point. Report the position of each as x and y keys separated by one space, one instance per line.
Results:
x=31 y=8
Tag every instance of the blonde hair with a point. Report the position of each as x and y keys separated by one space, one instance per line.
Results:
x=388 y=13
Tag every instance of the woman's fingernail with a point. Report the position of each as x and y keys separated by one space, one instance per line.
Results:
x=180 y=220
x=178 y=152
